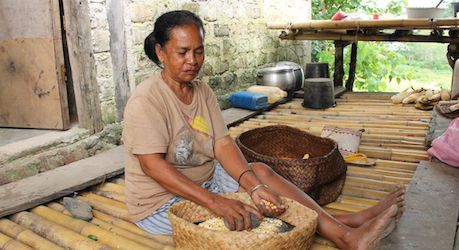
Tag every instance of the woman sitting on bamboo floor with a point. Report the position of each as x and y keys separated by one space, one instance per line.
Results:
x=178 y=147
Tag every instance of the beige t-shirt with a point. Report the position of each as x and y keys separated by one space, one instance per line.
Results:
x=156 y=121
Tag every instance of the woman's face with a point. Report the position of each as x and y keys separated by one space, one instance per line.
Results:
x=183 y=55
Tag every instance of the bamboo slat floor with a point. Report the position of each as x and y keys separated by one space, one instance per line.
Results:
x=394 y=137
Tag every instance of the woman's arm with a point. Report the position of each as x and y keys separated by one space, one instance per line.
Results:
x=234 y=211
x=234 y=162
x=155 y=166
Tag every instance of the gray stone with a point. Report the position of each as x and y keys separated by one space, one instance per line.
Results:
x=252 y=60
x=101 y=40
x=228 y=47
x=247 y=78
x=209 y=12
x=78 y=208
x=142 y=12
x=90 y=142
x=221 y=30
x=213 y=50
x=215 y=81
x=193 y=7
x=228 y=79
x=112 y=134
x=238 y=63
x=207 y=69
x=221 y=67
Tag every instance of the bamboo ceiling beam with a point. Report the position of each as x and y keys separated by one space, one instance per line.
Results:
x=367 y=37
x=419 y=23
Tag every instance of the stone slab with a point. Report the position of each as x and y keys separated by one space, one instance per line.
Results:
x=432 y=208
x=44 y=187
x=437 y=126
x=37 y=142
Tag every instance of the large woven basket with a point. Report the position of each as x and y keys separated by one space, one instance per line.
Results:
x=188 y=235
x=322 y=175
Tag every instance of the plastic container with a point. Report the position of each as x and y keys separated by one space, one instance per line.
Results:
x=274 y=94
x=249 y=100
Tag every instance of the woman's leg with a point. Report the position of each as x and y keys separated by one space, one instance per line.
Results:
x=396 y=197
x=345 y=237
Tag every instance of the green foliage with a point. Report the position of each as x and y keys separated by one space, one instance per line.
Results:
x=377 y=65
x=426 y=55
x=377 y=62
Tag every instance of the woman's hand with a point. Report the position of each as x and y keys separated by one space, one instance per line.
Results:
x=235 y=212
x=267 y=201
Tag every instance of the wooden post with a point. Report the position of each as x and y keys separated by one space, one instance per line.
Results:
x=339 y=58
x=115 y=16
x=350 y=79
x=81 y=58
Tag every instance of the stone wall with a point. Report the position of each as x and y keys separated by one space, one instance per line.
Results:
x=237 y=41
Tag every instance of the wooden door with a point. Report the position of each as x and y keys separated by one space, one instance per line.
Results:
x=32 y=87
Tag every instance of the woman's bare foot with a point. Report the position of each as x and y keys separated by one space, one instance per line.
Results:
x=370 y=234
x=396 y=197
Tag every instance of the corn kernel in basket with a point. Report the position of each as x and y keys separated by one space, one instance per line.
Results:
x=267 y=226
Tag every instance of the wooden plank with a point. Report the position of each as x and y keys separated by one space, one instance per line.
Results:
x=47 y=186
x=432 y=203
x=14 y=24
x=33 y=93
x=235 y=115
x=83 y=69
x=118 y=52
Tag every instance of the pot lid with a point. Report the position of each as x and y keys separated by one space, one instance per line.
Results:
x=289 y=64
x=275 y=69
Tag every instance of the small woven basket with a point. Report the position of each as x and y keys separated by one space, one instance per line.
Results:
x=321 y=176
x=188 y=235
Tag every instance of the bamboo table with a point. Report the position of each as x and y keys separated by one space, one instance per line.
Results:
x=344 y=33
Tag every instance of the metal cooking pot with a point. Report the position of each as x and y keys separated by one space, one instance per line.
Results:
x=277 y=76
x=298 y=72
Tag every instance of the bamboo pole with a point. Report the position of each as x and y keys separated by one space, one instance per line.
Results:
x=107 y=208
x=397 y=165
x=364 y=193
x=416 y=23
x=108 y=201
x=110 y=187
x=167 y=240
x=8 y=243
x=357 y=201
x=26 y=236
x=112 y=228
x=119 y=181
x=345 y=207
x=303 y=118
x=56 y=233
x=86 y=229
x=370 y=184
x=379 y=176
x=328 y=35
x=349 y=124
x=120 y=223
x=373 y=170
x=111 y=195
